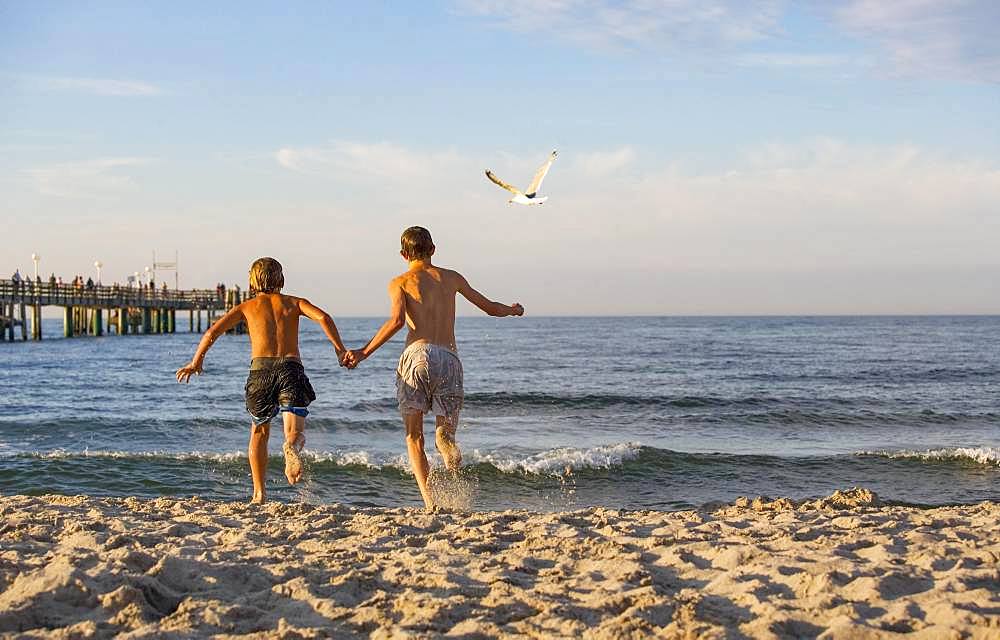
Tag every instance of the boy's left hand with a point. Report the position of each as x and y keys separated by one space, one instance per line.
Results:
x=184 y=373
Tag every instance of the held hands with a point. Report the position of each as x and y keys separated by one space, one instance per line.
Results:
x=516 y=309
x=353 y=358
x=184 y=373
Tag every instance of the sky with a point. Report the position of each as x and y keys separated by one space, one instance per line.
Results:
x=715 y=156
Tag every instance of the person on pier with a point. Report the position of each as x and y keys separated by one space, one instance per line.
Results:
x=277 y=383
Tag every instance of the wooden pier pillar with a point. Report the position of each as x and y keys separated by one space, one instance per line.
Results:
x=10 y=322
x=122 y=321
x=173 y=320
x=147 y=320
x=198 y=311
x=24 y=321
x=98 y=322
x=68 y=314
x=36 y=322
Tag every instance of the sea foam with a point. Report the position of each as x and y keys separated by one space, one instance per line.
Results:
x=989 y=456
x=563 y=460
x=553 y=462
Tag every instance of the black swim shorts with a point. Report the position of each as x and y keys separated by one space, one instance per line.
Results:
x=277 y=384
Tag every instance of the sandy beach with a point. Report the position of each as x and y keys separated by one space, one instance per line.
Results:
x=840 y=567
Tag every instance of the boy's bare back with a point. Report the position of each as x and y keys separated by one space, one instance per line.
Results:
x=425 y=294
x=428 y=297
x=273 y=324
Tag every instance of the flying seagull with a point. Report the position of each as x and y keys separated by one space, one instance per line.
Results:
x=528 y=196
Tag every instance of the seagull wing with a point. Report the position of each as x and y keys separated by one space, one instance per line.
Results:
x=536 y=182
x=497 y=181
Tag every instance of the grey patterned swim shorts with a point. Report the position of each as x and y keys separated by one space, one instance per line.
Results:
x=429 y=378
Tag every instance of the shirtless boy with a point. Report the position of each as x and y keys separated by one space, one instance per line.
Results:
x=429 y=375
x=277 y=381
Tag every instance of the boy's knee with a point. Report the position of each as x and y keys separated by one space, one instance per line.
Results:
x=261 y=430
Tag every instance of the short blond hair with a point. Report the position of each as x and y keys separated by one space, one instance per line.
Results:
x=266 y=276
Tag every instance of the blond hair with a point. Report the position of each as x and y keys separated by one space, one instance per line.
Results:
x=416 y=244
x=266 y=276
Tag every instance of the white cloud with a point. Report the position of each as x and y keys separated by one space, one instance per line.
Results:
x=605 y=163
x=777 y=206
x=99 y=177
x=97 y=86
x=630 y=23
x=941 y=38
x=952 y=39
x=379 y=161
x=821 y=225
x=797 y=60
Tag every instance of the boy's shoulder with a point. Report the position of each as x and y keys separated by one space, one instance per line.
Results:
x=448 y=276
x=284 y=298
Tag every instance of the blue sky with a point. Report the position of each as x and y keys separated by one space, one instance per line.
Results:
x=715 y=156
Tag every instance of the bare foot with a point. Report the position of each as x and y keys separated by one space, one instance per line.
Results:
x=258 y=498
x=293 y=463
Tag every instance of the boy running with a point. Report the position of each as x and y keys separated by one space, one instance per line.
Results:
x=277 y=381
x=429 y=375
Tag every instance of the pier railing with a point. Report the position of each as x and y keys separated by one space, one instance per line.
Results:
x=103 y=296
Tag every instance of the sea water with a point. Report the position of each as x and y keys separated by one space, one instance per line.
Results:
x=560 y=413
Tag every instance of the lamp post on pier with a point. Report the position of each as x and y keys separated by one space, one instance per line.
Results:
x=35 y=258
x=98 y=264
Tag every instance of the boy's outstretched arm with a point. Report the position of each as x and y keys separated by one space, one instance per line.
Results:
x=397 y=318
x=324 y=320
x=222 y=325
x=495 y=309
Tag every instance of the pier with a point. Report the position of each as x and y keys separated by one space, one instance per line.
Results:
x=100 y=309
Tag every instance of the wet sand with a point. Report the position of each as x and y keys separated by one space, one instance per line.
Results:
x=840 y=567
